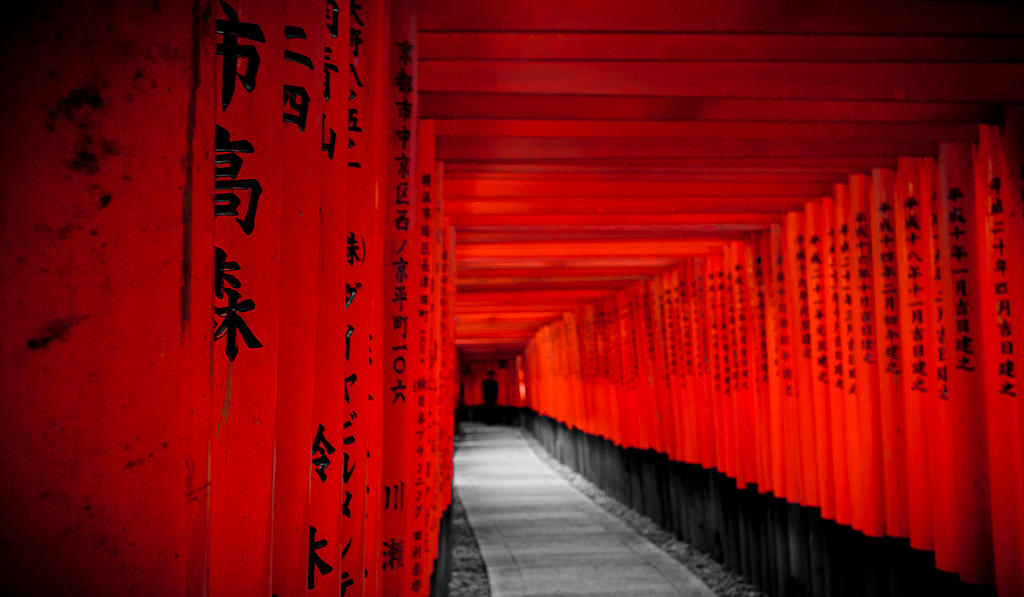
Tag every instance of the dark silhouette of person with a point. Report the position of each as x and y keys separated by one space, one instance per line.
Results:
x=490 y=389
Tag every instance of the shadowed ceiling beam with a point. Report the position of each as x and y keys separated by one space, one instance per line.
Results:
x=949 y=82
x=608 y=248
x=624 y=108
x=524 y=316
x=716 y=47
x=469 y=188
x=459 y=148
x=623 y=205
x=708 y=221
x=597 y=233
x=747 y=16
x=707 y=129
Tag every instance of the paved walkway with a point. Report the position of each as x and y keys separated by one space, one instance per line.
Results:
x=540 y=536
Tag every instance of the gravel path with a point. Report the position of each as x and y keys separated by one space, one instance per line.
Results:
x=469 y=573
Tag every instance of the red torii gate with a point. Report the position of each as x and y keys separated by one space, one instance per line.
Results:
x=237 y=231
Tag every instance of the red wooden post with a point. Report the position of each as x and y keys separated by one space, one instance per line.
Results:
x=965 y=524
x=802 y=402
x=833 y=240
x=1012 y=137
x=871 y=494
x=999 y=210
x=401 y=325
x=888 y=359
x=366 y=87
x=849 y=317
x=300 y=344
x=246 y=343
x=818 y=305
x=756 y=259
x=107 y=290
x=916 y=300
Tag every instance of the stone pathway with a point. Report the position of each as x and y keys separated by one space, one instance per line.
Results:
x=540 y=536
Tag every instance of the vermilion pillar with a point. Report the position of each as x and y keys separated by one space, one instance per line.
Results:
x=420 y=393
x=915 y=264
x=1012 y=137
x=831 y=238
x=298 y=426
x=365 y=87
x=107 y=298
x=887 y=355
x=865 y=338
x=247 y=231
x=818 y=305
x=802 y=403
x=963 y=515
x=756 y=266
x=401 y=276
x=1000 y=230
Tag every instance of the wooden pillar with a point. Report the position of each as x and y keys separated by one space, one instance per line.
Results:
x=108 y=298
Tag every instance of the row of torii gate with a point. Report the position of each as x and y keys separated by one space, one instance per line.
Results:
x=249 y=245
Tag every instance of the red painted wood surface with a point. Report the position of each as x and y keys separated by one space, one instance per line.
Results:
x=245 y=368
x=1011 y=137
x=400 y=282
x=916 y=297
x=1000 y=222
x=107 y=300
x=302 y=498
x=362 y=134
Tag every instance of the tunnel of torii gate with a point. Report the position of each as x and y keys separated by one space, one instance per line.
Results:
x=257 y=254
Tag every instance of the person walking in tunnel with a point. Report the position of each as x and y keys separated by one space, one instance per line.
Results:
x=490 y=390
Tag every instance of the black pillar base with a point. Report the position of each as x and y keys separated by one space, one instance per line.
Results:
x=786 y=549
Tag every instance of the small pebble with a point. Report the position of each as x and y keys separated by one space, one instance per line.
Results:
x=469 y=573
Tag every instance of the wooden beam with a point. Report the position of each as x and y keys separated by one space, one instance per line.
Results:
x=693 y=175
x=469 y=188
x=528 y=298
x=706 y=130
x=707 y=221
x=458 y=148
x=607 y=248
x=977 y=82
x=693 y=169
x=715 y=47
x=623 y=205
x=494 y=350
x=492 y=333
x=525 y=316
x=561 y=306
x=491 y=343
x=543 y=283
x=740 y=16
x=465 y=266
x=512 y=234
x=545 y=279
x=577 y=105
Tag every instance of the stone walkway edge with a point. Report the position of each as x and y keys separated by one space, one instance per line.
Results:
x=539 y=536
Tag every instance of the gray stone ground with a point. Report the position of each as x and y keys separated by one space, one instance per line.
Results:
x=469 y=572
x=540 y=536
x=717 y=577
